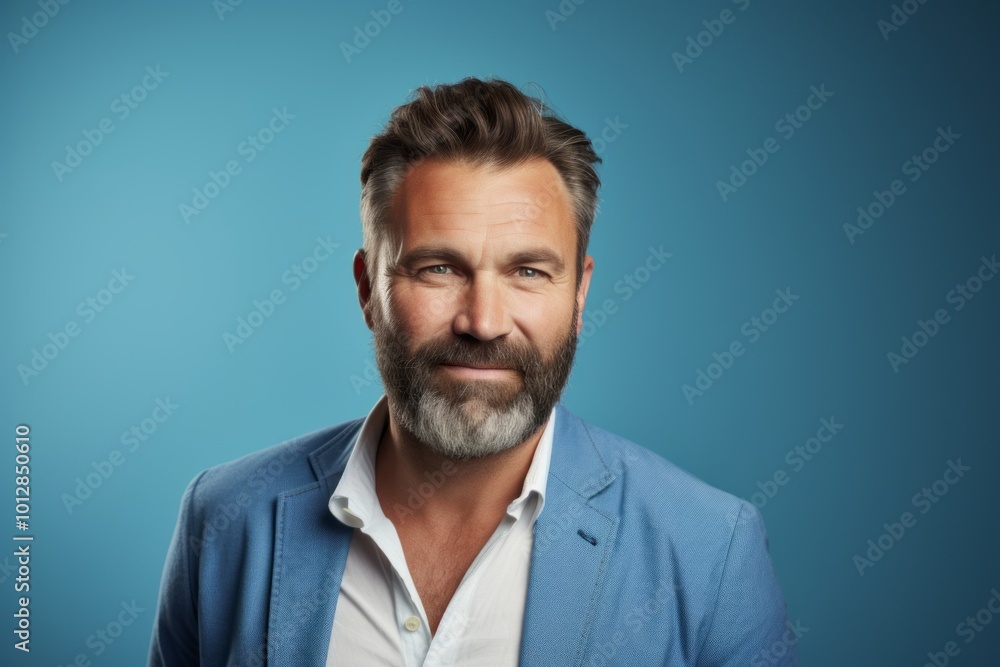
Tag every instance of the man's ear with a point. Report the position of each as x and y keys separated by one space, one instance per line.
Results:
x=364 y=285
x=581 y=292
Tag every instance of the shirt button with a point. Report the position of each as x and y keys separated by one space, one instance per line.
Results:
x=411 y=623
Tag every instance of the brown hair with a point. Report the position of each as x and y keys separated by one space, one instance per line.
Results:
x=487 y=123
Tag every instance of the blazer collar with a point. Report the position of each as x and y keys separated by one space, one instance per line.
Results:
x=576 y=461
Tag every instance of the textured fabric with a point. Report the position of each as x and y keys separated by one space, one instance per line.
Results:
x=380 y=618
x=634 y=562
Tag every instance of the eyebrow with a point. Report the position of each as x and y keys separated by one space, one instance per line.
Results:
x=450 y=256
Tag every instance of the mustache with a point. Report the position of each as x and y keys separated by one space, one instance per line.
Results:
x=462 y=352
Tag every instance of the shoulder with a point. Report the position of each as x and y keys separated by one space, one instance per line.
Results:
x=260 y=476
x=675 y=532
x=655 y=492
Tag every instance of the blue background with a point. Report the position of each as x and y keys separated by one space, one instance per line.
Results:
x=680 y=131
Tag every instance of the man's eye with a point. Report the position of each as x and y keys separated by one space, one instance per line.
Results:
x=528 y=272
x=437 y=269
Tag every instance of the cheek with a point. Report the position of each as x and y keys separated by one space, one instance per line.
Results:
x=544 y=321
x=535 y=313
x=422 y=312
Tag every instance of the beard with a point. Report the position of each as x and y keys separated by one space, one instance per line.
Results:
x=464 y=419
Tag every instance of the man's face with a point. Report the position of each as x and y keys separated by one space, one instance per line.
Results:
x=475 y=318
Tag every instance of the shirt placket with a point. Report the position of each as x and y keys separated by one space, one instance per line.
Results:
x=411 y=619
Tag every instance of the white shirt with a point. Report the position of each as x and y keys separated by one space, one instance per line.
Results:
x=380 y=619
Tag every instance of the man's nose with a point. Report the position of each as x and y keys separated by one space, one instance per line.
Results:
x=482 y=312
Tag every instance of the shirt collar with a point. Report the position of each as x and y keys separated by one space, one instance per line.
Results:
x=355 y=504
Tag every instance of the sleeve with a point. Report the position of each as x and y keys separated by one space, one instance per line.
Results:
x=749 y=626
x=175 y=641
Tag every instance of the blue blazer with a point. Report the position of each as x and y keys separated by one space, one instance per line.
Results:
x=635 y=562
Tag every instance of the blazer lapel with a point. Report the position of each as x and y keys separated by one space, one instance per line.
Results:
x=310 y=554
x=571 y=548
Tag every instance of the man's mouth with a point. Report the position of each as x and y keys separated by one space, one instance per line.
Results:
x=483 y=371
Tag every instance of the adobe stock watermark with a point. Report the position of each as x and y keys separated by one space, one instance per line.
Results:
x=248 y=149
x=786 y=126
x=627 y=286
x=223 y=7
x=927 y=329
x=87 y=311
x=131 y=440
x=363 y=35
x=303 y=610
x=696 y=44
x=416 y=497
x=968 y=629
x=609 y=133
x=780 y=649
x=562 y=12
x=634 y=620
x=558 y=526
x=263 y=309
x=915 y=167
x=451 y=629
x=105 y=636
x=122 y=107
x=898 y=17
x=796 y=458
x=923 y=501
x=30 y=25
x=369 y=377
x=226 y=514
x=752 y=330
x=7 y=569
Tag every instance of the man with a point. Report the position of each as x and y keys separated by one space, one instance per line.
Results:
x=470 y=519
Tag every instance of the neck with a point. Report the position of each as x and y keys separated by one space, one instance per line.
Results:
x=415 y=484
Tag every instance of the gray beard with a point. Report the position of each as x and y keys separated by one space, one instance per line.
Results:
x=468 y=430
x=469 y=419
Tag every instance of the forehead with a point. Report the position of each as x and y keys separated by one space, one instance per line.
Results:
x=452 y=201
